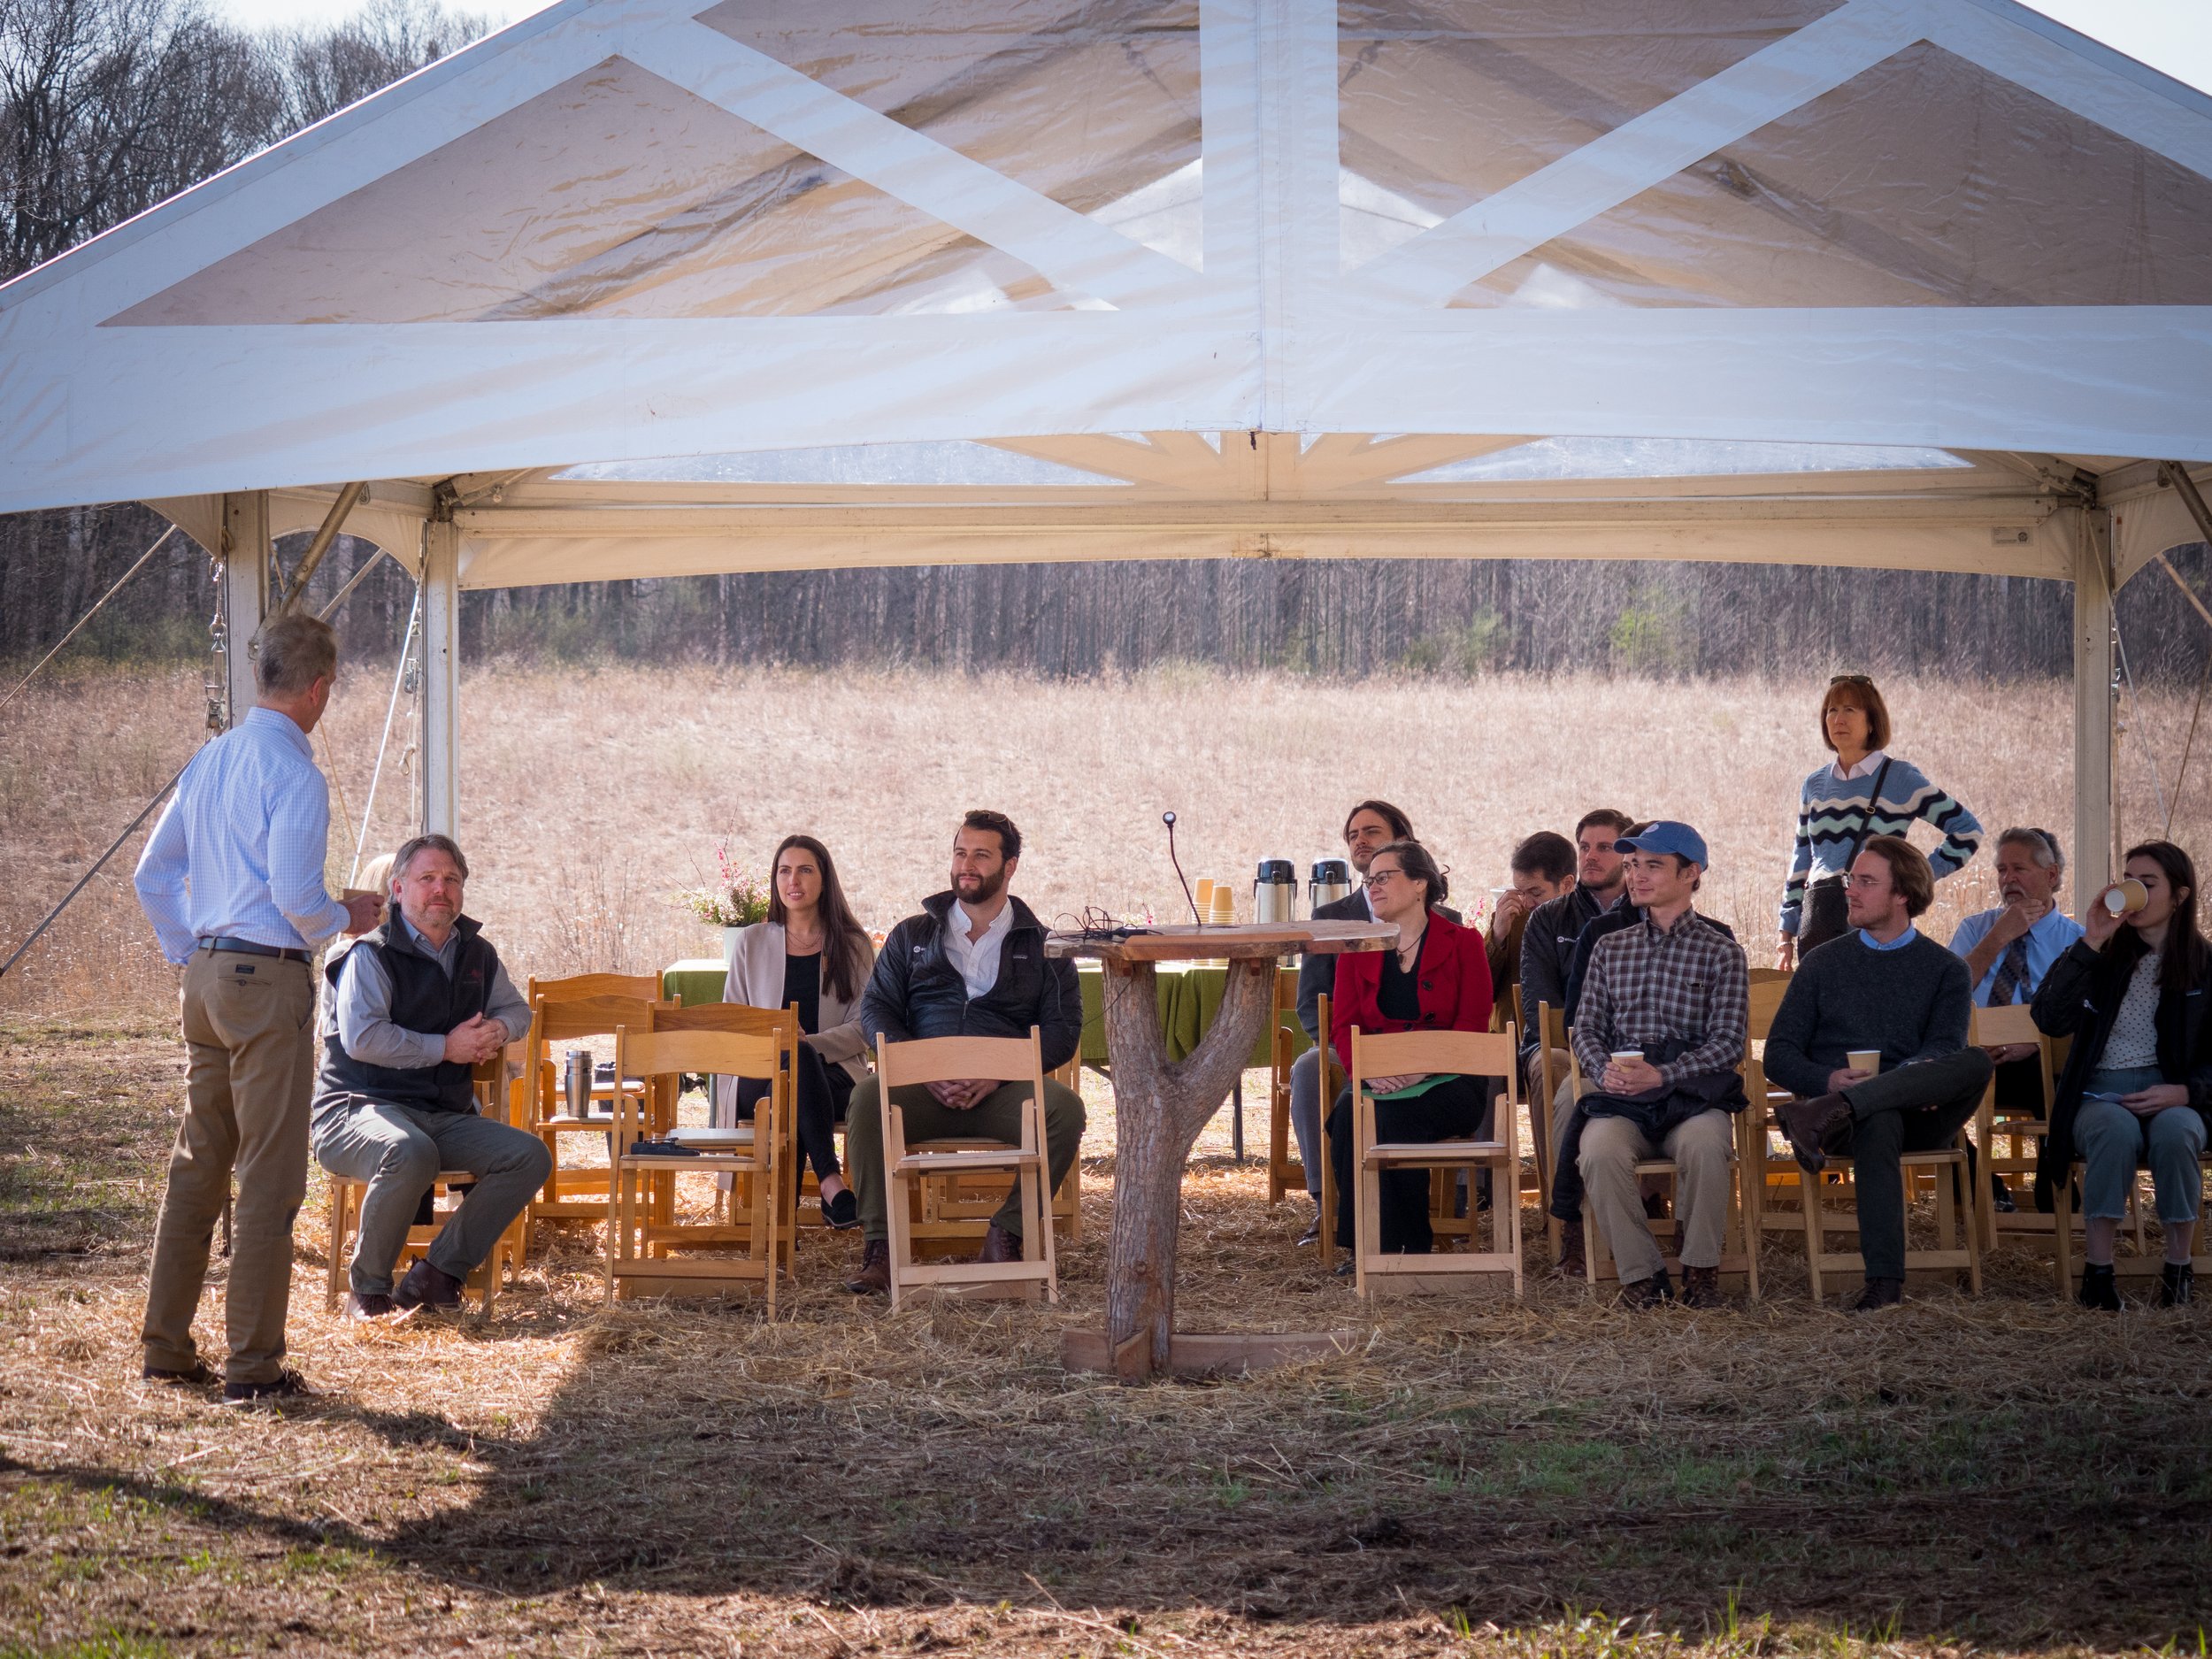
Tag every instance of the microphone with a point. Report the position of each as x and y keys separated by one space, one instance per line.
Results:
x=1168 y=818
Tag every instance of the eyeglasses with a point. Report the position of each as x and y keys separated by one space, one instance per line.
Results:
x=1376 y=877
x=1851 y=680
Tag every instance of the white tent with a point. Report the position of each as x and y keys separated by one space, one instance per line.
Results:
x=1905 y=283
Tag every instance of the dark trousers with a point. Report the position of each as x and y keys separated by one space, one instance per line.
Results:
x=1452 y=1110
x=1918 y=1107
x=823 y=1091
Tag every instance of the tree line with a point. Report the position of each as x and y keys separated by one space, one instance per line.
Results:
x=108 y=106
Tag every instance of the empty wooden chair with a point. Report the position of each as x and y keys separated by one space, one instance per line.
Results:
x=734 y=1199
x=645 y=1229
x=1461 y=1053
x=907 y=1167
x=573 y=1194
x=577 y=987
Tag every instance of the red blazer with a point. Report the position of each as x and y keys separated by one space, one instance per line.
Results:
x=1453 y=985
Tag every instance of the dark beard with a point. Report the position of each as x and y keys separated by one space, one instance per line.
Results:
x=990 y=888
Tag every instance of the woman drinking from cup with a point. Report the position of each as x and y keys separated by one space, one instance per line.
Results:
x=809 y=951
x=1436 y=978
x=2135 y=993
x=1865 y=791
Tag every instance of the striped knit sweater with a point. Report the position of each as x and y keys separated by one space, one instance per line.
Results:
x=1830 y=813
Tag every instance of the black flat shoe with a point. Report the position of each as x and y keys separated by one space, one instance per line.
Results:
x=287 y=1385
x=2177 y=1284
x=2097 y=1289
x=841 y=1212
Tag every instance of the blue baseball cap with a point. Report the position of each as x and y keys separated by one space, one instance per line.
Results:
x=1668 y=836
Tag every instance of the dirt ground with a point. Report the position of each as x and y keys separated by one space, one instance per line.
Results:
x=2001 y=1475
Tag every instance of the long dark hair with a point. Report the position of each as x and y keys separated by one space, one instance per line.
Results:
x=844 y=940
x=2188 y=962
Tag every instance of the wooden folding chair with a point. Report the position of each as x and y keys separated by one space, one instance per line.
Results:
x=2010 y=1143
x=908 y=1167
x=1284 y=1171
x=497 y=1097
x=1954 y=1219
x=644 y=1226
x=571 y=1194
x=732 y=1195
x=952 y=1212
x=2126 y=1266
x=1738 y=1266
x=1461 y=1053
x=577 y=987
x=1773 y=1185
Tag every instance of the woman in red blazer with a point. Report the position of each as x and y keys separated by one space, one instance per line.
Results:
x=1437 y=978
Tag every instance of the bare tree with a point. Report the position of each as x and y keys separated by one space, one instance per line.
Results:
x=325 y=70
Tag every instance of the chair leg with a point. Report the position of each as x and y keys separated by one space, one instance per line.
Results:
x=1816 y=1232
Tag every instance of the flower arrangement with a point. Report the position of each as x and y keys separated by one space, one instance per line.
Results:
x=738 y=899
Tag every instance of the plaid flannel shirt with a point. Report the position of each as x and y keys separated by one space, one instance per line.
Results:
x=1648 y=985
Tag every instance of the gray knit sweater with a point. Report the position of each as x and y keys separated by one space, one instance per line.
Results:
x=1912 y=1003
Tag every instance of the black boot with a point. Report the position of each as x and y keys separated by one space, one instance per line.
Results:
x=1654 y=1291
x=2176 y=1285
x=2097 y=1289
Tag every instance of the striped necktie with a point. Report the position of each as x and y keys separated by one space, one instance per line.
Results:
x=2012 y=973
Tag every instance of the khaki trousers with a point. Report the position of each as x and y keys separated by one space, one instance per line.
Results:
x=1700 y=1147
x=249 y=1042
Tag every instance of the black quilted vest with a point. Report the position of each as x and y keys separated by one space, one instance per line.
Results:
x=422 y=999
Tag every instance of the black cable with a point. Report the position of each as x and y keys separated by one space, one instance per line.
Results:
x=1168 y=818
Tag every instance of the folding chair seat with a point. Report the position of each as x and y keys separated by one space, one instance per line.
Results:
x=1462 y=1053
x=908 y=1167
x=572 y=1193
x=646 y=1228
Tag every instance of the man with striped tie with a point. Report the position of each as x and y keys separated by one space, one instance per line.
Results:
x=232 y=880
x=2007 y=951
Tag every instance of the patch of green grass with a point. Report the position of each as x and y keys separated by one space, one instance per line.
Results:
x=112 y=1644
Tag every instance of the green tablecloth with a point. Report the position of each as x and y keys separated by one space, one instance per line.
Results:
x=693 y=980
x=1190 y=997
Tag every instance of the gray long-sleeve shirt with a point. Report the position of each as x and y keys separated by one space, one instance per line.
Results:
x=360 y=1013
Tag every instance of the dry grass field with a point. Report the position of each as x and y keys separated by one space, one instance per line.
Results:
x=2006 y=1475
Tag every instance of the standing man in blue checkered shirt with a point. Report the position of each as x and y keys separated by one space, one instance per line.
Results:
x=232 y=880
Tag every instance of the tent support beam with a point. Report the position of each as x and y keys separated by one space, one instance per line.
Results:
x=2096 y=851
x=246 y=559
x=441 y=747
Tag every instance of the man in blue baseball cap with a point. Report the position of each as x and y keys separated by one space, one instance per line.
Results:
x=1659 y=1034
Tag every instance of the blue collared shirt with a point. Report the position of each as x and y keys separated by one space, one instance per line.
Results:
x=1898 y=943
x=2047 y=940
x=239 y=851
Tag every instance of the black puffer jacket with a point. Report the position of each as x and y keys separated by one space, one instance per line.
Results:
x=2080 y=996
x=916 y=991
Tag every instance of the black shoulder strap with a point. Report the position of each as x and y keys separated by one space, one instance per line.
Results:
x=1866 y=813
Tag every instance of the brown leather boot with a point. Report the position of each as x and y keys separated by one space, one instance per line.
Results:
x=1000 y=1246
x=1572 y=1263
x=874 y=1276
x=1701 y=1287
x=1807 y=1123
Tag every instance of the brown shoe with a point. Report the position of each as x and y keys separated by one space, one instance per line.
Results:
x=1807 y=1123
x=1000 y=1246
x=874 y=1276
x=1701 y=1287
x=1879 y=1293
x=197 y=1375
x=1572 y=1263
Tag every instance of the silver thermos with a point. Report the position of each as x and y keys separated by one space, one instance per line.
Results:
x=1332 y=880
x=1275 y=891
x=576 y=1082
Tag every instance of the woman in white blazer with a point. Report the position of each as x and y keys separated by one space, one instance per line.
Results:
x=809 y=951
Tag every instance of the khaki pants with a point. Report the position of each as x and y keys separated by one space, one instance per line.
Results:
x=997 y=1117
x=1700 y=1147
x=250 y=1040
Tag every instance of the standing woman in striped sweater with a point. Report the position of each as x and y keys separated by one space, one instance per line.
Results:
x=1865 y=791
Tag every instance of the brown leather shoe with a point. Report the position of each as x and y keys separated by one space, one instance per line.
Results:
x=1000 y=1246
x=1572 y=1263
x=874 y=1276
x=428 y=1286
x=1879 y=1293
x=1701 y=1287
x=1807 y=1123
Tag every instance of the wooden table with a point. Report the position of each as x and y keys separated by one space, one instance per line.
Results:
x=1160 y=1106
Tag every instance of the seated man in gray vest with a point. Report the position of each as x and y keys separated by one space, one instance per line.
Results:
x=412 y=1009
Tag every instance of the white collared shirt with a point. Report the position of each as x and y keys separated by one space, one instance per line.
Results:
x=978 y=962
x=1866 y=768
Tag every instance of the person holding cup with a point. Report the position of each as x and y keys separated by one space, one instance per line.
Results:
x=2135 y=993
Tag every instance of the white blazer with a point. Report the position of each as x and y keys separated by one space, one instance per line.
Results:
x=754 y=958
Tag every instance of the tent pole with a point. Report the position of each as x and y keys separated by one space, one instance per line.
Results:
x=2095 y=827
x=245 y=591
x=440 y=677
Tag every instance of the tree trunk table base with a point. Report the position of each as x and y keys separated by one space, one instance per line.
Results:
x=1160 y=1106
x=1191 y=1355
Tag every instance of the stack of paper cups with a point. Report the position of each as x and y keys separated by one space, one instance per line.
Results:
x=1205 y=897
x=1224 y=905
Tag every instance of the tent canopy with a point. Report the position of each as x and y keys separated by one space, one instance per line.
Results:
x=1922 y=283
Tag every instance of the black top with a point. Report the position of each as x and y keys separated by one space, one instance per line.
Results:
x=803 y=985
x=1399 y=995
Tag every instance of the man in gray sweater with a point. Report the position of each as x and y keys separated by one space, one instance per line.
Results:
x=1885 y=987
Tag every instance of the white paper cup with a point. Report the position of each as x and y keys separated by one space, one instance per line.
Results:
x=1864 y=1059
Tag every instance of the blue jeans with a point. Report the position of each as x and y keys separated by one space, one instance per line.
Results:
x=2115 y=1143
